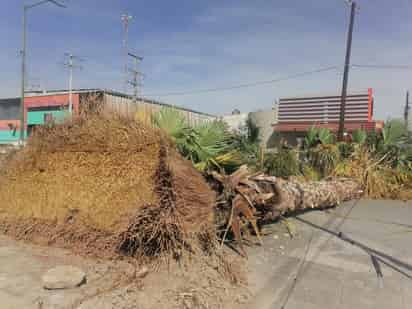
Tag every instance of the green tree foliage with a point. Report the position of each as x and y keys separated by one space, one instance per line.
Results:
x=247 y=142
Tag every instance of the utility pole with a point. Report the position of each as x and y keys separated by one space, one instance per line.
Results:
x=136 y=75
x=126 y=18
x=406 y=112
x=26 y=8
x=346 y=70
x=71 y=66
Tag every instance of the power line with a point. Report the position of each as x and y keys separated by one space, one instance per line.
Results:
x=383 y=66
x=246 y=85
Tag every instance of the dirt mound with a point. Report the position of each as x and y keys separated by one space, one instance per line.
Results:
x=106 y=185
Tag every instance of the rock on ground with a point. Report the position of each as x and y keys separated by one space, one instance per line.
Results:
x=63 y=277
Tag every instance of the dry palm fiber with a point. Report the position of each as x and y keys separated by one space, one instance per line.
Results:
x=83 y=184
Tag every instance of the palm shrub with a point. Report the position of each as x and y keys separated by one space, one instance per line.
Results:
x=394 y=144
x=216 y=148
x=283 y=163
x=175 y=125
x=324 y=158
x=310 y=173
x=316 y=136
x=345 y=149
x=209 y=145
x=374 y=141
x=395 y=132
x=359 y=136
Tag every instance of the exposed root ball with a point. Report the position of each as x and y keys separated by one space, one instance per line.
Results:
x=171 y=226
x=106 y=185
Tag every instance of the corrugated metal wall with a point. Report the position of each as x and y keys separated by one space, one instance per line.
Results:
x=143 y=109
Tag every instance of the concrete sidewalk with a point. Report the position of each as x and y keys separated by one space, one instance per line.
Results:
x=321 y=270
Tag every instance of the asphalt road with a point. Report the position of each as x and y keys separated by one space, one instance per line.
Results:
x=358 y=255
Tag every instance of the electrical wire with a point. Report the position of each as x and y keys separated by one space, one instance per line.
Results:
x=245 y=85
x=276 y=80
x=383 y=66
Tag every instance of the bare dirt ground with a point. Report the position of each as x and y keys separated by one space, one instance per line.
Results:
x=110 y=284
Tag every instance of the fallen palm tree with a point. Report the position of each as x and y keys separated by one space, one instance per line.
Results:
x=107 y=186
x=249 y=197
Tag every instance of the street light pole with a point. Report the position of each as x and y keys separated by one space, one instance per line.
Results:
x=71 y=85
x=23 y=63
x=23 y=77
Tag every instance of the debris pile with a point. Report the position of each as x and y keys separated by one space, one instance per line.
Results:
x=106 y=185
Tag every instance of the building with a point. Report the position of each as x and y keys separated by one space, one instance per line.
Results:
x=263 y=119
x=41 y=107
x=297 y=114
x=236 y=121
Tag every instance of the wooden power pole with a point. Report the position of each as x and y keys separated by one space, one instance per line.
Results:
x=346 y=71
x=406 y=112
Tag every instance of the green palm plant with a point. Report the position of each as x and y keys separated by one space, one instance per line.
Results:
x=215 y=147
x=324 y=158
x=394 y=143
x=395 y=132
x=175 y=125
x=316 y=135
x=359 y=136
x=283 y=163
x=209 y=145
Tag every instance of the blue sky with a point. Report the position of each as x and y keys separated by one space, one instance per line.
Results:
x=191 y=45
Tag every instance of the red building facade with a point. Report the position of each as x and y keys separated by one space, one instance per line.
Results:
x=298 y=114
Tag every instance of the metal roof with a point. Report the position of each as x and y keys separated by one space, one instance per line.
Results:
x=114 y=93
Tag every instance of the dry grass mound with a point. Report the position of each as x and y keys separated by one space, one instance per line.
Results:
x=106 y=185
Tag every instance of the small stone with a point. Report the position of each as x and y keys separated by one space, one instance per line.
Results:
x=281 y=247
x=142 y=272
x=63 y=277
x=275 y=236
